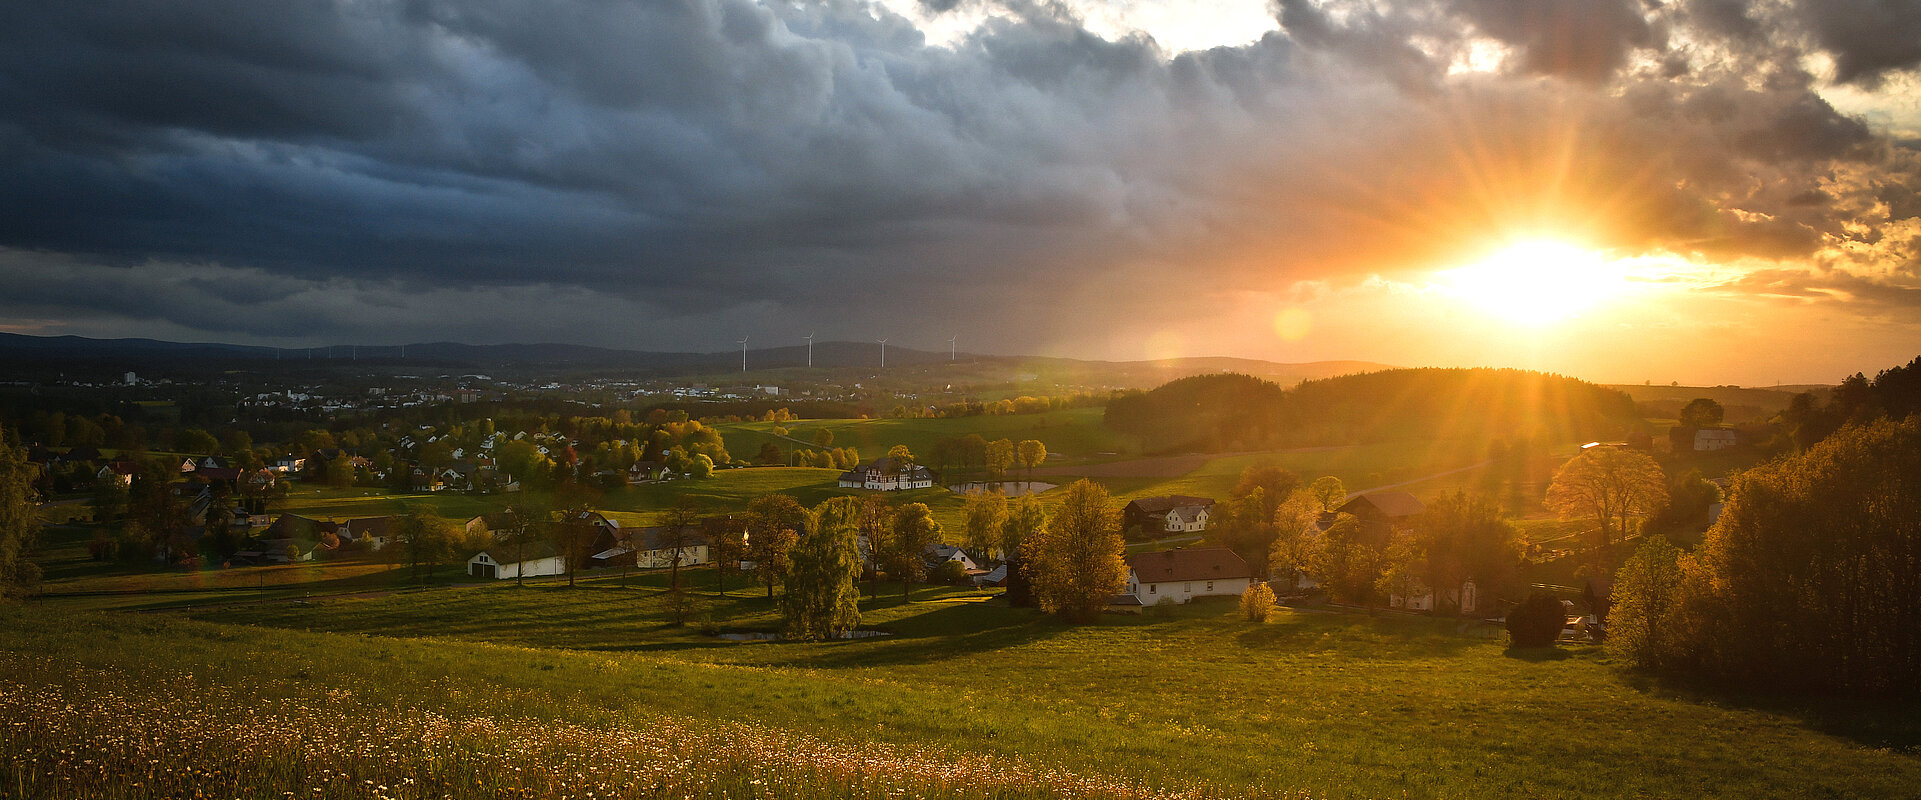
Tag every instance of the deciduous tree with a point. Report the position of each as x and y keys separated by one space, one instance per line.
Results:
x=1074 y=562
x=986 y=514
x=1031 y=452
x=19 y=521
x=1613 y=486
x=1328 y=491
x=914 y=531
x=774 y=523
x=822 y=600
x=1702 y=412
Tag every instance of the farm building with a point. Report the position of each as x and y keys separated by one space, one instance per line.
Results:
x=1170 y=514
x=887 y=475
x=1183 y=574
x=535 y=559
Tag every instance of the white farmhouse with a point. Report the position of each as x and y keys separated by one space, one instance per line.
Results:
x=1183 y=574
x=535 y=560
x=887 y=475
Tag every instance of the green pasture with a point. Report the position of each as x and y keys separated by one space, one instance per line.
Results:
x=1072 y=435
x=1326 y=705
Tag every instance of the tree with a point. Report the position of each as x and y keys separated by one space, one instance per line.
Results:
x=1074 y=562
x=679 y=531
x=1025 y=517
x=235 y=442
x=877 y=527
x=1349 y=566
x=999 y=456
x=769 y=455
x=902 y=457
x=1030 y=452
x=1328 y=491
x=972 y=451
x=1611 y=486
x=340 y=472
x=1536 y=622
x=1257 y=603
x=1275 y=483
x=1702 y=412
x=1246 y=526
x=1460 y=537
x=726 y=545
x=1296 y=547
x=700 y=467
x=425 y=539
x=1646 y=599
x=19 y=522
x=195 y=440
x=986 y=514
x=914 y=531
x=822 y=600
x=1811 y=579
x=774 y=523
x=823 y=438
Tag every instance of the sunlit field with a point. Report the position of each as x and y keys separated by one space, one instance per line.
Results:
x=588 y=688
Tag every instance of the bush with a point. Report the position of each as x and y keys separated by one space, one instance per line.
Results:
x=1536 y=622
x=1257 y=603
x=952 y=573
x=1163 y=607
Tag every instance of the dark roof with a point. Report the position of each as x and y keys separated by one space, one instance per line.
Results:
x=532 y=551
x=1124 y=600
x=1385 y=504
x=1195 y=564
x=367 y=526
x=291 y=526
x=1162 y=505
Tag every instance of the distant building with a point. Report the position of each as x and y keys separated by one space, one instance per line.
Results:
x=1183 y=574
x=535 y=559
x=1170 y=514
x=887 y=475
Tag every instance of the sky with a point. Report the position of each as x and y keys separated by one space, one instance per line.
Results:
x=1702 y=191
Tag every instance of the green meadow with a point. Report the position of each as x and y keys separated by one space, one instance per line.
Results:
x=1073 y=435
x=1309 y=704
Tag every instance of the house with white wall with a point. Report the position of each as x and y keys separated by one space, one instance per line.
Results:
x=533 y=560
x=1183 y=574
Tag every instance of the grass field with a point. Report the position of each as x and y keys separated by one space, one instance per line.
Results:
x=1310 y=704
x=1074 y=435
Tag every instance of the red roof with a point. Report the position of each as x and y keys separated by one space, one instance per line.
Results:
x=1197 y=564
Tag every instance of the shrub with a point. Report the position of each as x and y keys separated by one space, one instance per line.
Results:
x=1163 y=607
x=1257 y=603
x=1536 y=622
x=952 y=573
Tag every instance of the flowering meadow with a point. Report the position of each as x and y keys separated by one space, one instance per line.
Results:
x=68 y=731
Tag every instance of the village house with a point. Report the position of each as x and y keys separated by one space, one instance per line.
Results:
x=535 y=559
x=1170 y=514
x=1465 y=598
x=1183 y=574
x=887 y=475
x=651 y=548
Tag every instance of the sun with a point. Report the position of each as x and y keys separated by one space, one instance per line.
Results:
x=1536 y=282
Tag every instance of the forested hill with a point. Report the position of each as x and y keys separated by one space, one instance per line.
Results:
x=1213 y=413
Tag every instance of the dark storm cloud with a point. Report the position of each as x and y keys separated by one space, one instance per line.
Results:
x=697 y=163
x=1867 y=38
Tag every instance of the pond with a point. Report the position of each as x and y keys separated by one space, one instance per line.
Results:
x=1009 y=488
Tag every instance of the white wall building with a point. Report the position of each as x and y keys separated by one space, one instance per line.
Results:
x=1183 y=574
x=535 y=562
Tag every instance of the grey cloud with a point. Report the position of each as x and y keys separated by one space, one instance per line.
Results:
x=1866 y=37
x=735 y=159
x=1584 y=39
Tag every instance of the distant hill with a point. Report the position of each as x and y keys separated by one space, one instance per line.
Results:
x=1213 y=413
x=788 y=363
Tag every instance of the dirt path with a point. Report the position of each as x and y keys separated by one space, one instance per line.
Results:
x=1421 y=479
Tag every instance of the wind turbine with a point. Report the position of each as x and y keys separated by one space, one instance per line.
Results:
x=950 y=346
x=743 y=353
x=883 y=354
x=810 y=349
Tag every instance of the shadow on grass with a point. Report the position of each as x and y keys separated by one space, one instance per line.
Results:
x=1537 y=654
x=1889 y=723
x=1380 y=638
